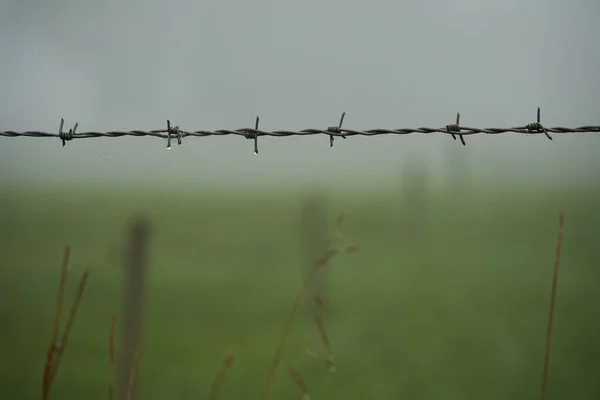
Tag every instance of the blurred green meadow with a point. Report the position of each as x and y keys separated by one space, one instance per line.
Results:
x=456 y=309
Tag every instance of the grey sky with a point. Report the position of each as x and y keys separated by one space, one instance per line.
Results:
x=298 y=64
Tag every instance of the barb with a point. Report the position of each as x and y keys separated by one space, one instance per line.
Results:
x=333 y=131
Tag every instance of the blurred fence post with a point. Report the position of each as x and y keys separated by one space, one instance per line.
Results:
x=315 y=233
x=133 y=307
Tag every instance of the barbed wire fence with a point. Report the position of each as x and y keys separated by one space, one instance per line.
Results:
x=170 y=132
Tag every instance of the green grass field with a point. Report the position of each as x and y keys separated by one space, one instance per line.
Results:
x=459 y=312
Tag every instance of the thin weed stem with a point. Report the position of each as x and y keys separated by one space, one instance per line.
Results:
x=552 y=305
x=69 y=326
x=61 y=293
x=320 y=263
x=54 y=345
x=299 y=381
x=217 y=383
x=57 y=348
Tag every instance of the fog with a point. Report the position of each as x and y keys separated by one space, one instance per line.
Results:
x=216 y=65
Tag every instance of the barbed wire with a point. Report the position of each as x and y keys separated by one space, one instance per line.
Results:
x=333 y=131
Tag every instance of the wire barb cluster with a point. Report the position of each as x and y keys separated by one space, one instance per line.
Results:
x=453 y=129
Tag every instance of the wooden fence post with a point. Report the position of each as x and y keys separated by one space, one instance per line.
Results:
x=133 y=307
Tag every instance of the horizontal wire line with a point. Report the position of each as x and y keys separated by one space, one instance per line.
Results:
x=333 y=131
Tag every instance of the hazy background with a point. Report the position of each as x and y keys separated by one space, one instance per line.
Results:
x=448 y=296
x=214 y=65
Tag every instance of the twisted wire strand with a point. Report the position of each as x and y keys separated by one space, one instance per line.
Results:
x=335 y=131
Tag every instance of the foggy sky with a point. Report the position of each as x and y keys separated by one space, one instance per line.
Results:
x=117 y=65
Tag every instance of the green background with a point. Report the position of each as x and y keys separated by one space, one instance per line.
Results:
x=456 y=310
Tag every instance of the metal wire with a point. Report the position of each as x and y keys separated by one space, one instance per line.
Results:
x=334 y=131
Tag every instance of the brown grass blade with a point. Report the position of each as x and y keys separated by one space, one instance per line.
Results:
x=561 y=222
x=70 y=321
x=61 y=293
x=54 y=345
x=52 y=351
x=297 y=378
x=217 y=383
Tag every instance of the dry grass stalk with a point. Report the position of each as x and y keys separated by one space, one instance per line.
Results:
x=217 y=383
x=54 y=345
x=552 y=305
x=329 y=358
x=297 y=378
x=111 y=356
x=70 y=322
x=57 y=347
x=320 y=263
x=61 y=292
